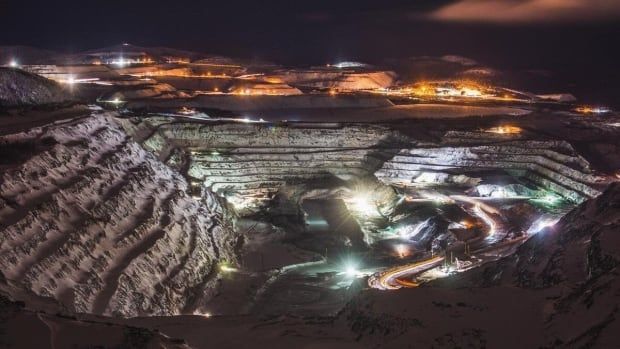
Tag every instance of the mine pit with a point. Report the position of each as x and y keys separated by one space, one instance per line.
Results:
x=317 y=209
x=192 y=198
x=299 y=216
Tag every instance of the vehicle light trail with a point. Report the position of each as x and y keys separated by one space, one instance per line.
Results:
x=388 y=280
x=482 y=211
x=486 y=219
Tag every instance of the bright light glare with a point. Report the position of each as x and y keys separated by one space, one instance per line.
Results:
x=351 y=271
x=402 y=250
x=507 y=129
x=542 y=223
x=549 y=199
x=225 y=268
x=363 y=204
x=206 y=314
x=121 y=62
x=13 y=64
x=467 y=224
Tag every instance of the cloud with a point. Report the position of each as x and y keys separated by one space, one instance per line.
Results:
x=518 y=11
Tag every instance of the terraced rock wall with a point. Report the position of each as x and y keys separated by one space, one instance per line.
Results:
x=249 y=163
x=94 y=221
x=549 y=164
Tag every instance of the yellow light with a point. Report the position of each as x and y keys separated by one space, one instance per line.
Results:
x=592 y=110
x=507 y=129
x=225 y=268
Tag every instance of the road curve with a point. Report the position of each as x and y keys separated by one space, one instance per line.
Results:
x=387 y=280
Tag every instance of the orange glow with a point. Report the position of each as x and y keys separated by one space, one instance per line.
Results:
x=467 y=224
x=586 y=109
x=507 y=129
x=449 y=89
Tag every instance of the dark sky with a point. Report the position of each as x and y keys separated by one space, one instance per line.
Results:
x=580 y=37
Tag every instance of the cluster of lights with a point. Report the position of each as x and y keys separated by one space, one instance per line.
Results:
x=343 y=65
x=506 y=129
x=456 y=89
x=589 y=110
x=123 y=62
x=256 y=92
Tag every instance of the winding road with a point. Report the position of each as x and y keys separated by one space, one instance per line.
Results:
x=392 y=279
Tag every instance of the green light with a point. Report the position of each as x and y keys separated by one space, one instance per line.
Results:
x=226 y=268
x=549 y=199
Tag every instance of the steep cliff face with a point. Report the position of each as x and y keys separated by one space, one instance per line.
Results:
x=91 y=219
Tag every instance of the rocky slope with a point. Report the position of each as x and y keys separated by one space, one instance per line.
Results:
x=340 y=79
x=19 y=88
x=89 y=218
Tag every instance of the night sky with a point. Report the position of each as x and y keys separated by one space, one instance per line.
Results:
x=578 y=37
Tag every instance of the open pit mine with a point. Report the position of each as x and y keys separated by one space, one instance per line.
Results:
x=157 y=198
